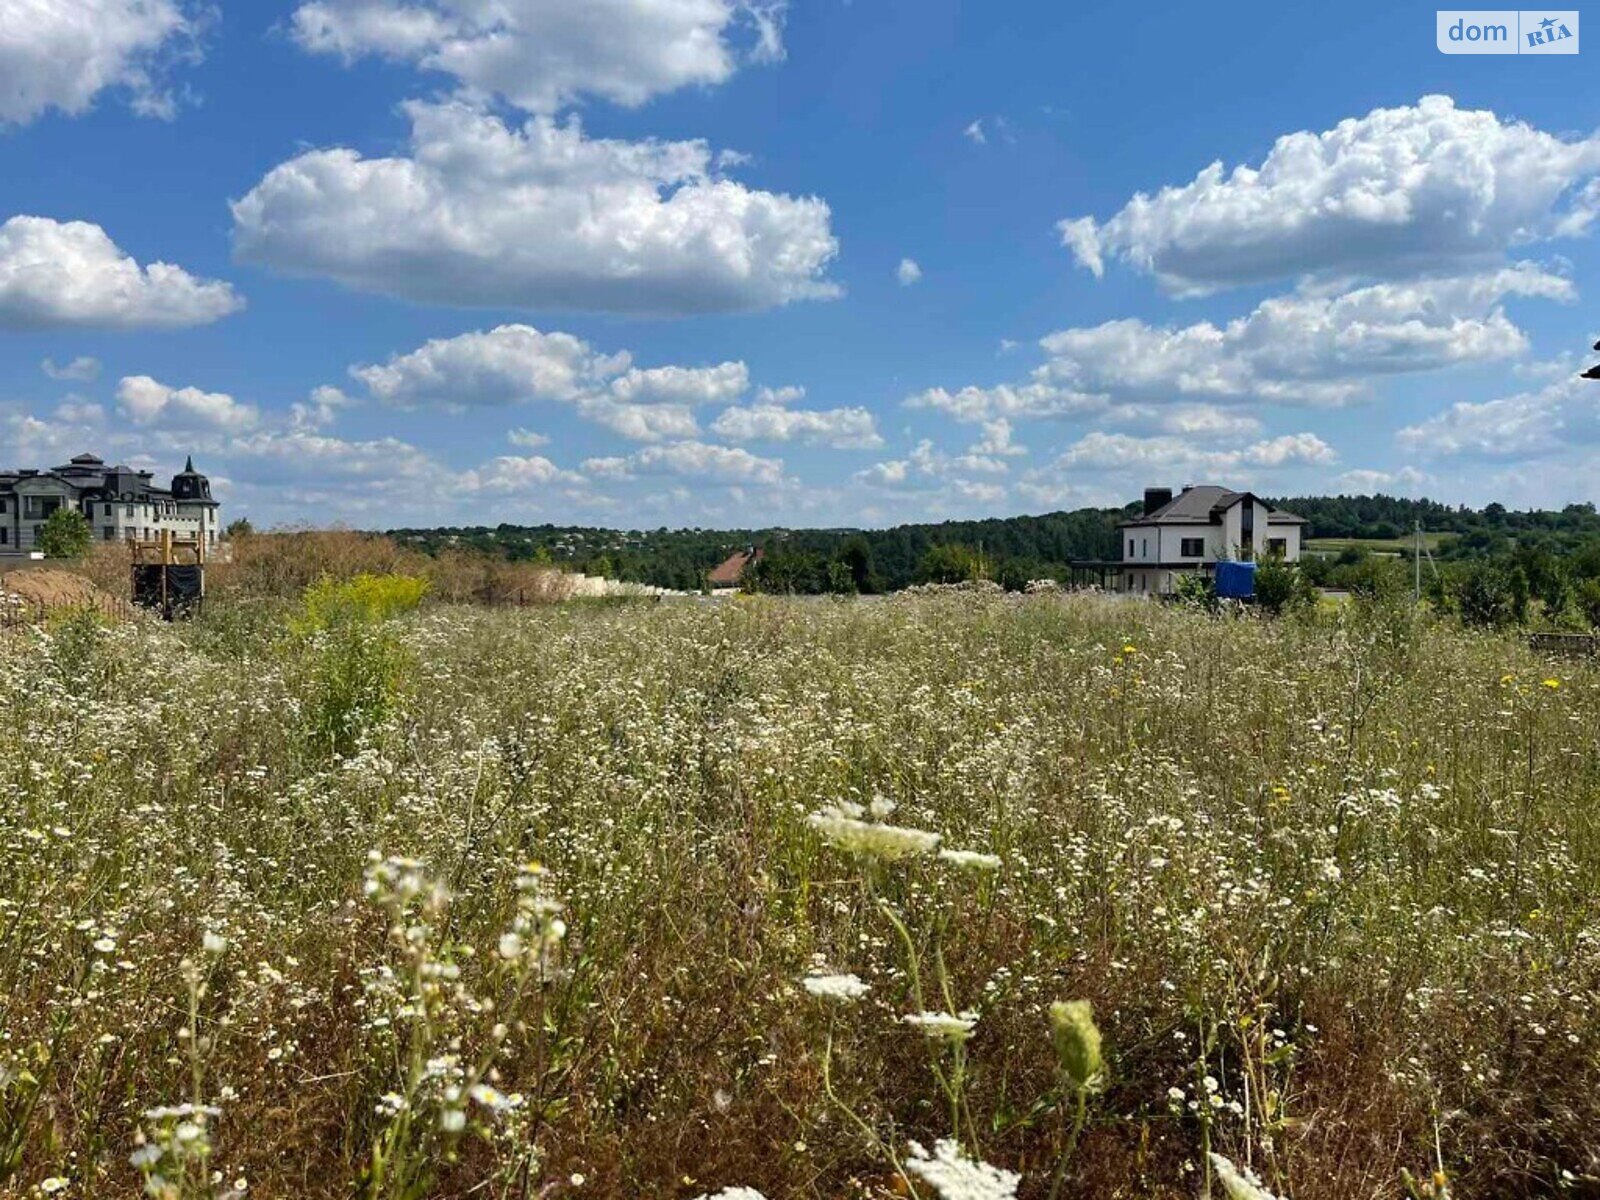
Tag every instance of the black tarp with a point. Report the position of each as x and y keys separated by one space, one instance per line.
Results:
x=184 y=588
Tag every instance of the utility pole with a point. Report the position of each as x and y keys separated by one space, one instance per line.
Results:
x=1416 y=559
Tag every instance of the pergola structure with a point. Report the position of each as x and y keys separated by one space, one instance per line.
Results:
x=1103 y=573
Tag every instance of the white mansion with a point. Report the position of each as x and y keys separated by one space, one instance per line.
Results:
x=120 y=503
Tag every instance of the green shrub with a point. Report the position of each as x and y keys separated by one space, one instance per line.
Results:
x=65 y=534
x=1281 y=586
x=363 y=600
x=1586 y=595
x=358 y=661
x=1195 y=590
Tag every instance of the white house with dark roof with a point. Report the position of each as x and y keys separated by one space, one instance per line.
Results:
x=121 y=504
x=1198 y=528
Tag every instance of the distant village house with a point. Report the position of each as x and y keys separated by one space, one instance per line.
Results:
x=120 y=503
x=726 y=577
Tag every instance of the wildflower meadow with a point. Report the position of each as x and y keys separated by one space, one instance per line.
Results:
x=961 y=896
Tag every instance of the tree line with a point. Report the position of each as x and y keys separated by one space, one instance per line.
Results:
x=1014 y=550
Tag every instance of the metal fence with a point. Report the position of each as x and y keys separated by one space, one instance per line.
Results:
x=1571 y=645
x=18 y=611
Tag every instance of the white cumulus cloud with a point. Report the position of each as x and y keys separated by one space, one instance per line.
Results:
x=144 y=401
x=1305 y=348
x=62 y=54
x=82 y=369
x=640 y=422
x=1034 y=400
x=1424 y=188
x=510 y=473
x=693 y=460
x=839 y=428
x=510 y=364
x=518 y=364
x=1367 y=481
x=70 y=274
x=1111 y=451
x=908 y=272
x=683 y=385
x=996 y=440
x=542 y=55
x=885 y=474
x=1562 y=415
x=538 y=217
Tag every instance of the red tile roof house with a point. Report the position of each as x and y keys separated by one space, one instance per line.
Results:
x=725 y=578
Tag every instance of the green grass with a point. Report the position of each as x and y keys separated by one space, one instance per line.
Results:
x=1386 y=546
x=1330 y=885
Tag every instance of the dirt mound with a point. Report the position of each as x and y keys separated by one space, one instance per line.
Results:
x=46 y=589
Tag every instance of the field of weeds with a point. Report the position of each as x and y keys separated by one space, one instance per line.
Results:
x=360 y=899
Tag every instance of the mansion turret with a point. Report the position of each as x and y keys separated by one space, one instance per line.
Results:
x=121 y=504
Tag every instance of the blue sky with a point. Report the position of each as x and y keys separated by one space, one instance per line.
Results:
x=730 y=262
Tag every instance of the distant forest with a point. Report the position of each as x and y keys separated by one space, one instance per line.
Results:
x=1011 y=550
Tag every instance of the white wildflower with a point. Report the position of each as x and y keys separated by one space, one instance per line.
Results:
x=843 y=988
x=973 y=860
x=733 y=1193
x=147 y=1155
x=213 y=943
x=1237 y=1182
x=957 y=1177
x=944 y=1027
x=869 y=838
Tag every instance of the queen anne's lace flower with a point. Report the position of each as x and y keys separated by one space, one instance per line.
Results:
x=956 y=1177
x=971 y=859
x=843 y=988
x=839 y=828
x=944 y=1027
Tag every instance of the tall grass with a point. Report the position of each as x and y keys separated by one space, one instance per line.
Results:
x=572 y=912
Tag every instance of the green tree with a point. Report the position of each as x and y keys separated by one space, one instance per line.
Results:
x=1491 y=594
x=239 y=529
x=66 y=534
x=950 y=564
x=840 y=581
x=1587 y=597
x=787 y=572
x=856 y=555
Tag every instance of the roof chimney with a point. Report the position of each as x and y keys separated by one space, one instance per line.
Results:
x=1155 y=498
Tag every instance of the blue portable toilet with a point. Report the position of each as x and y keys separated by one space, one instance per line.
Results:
x=1236 y=580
